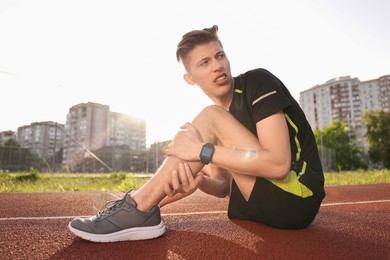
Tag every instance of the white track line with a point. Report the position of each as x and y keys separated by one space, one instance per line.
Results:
x=193 y=213
x=354 y=202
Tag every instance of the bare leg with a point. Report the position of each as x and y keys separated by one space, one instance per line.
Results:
x=216 y=126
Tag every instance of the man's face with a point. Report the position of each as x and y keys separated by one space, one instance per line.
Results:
x=209 y=68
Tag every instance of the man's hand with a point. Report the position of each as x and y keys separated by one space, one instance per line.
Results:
x=183 y=181
x=187 y=144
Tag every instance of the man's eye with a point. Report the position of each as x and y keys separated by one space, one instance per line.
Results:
x=220 y=55
x=204 y=63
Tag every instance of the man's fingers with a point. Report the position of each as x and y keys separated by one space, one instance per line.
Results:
x=190 y=177
x=175 y=180
x=183 y=175
x=183 y=181
x=189 y=126
x=185 y=126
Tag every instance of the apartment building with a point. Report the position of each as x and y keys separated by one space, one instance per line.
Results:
x=384 y=89
x=313 y=102
x=5 y=136
x=370 y=95
x=347 y=99
x=44 y=139
x=92 y=126
x=126 y=130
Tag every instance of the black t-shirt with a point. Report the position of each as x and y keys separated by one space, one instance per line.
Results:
x=259 y=94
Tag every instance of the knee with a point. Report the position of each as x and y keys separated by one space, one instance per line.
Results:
x=214 y=111
x=209 y=121
x=212 y=116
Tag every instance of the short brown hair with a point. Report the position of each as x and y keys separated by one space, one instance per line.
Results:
x=194 y=38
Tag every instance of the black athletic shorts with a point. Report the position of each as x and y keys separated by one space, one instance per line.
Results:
x=270 y=205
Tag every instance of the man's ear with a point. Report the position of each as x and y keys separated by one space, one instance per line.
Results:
x=187 y=77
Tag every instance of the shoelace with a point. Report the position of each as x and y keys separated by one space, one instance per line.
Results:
x=112 y=205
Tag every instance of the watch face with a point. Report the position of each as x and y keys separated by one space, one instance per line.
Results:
x=207 y=152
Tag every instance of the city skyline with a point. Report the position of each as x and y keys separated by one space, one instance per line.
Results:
x=336 y=79
x=58 y=54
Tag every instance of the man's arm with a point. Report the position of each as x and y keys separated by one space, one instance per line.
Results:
x=215 y=182
x=271 y=160
x=237 y=150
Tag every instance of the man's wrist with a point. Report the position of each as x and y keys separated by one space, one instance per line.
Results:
x=206 y=153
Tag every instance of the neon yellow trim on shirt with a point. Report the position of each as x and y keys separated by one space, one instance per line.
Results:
x=239 y=91
x=298 y=155
x=291 y=183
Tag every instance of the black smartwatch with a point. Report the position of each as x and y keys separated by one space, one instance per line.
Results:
x=206 y=154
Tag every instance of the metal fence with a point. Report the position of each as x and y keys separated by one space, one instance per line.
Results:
x=16 y=159
x=328 y=158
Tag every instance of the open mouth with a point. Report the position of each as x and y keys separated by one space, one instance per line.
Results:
x=221 y=78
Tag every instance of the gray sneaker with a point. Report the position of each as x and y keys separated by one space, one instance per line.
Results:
x=121 y=221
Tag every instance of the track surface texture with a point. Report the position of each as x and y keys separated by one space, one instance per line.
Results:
x=353 y=223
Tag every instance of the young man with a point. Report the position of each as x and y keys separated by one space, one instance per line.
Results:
x=254 y=145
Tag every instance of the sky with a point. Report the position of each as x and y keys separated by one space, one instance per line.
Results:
x=56 y=54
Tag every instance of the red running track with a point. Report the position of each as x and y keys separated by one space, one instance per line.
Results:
x=353 y=223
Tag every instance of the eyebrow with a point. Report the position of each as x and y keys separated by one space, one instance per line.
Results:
x=207 y=58
x=202 y=60
x=219 y=53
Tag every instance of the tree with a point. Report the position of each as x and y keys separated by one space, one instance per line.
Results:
x=377 y=124
x=339 y=137
x=15 y=158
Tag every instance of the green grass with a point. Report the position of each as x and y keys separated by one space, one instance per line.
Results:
x=39 y=182
x=357 y=177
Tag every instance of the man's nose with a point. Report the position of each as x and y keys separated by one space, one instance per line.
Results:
x=216 y=65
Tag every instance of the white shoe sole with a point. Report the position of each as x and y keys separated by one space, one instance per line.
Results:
x=136 y=233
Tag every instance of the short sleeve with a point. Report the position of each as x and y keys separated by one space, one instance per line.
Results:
x=266 y=93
